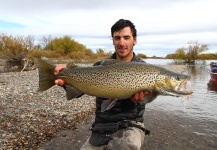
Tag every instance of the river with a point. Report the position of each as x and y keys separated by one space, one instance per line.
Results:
x=198 y=113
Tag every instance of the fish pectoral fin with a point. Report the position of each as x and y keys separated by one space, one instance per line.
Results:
x=151 y=96
x=72 y=92
x=107 y=104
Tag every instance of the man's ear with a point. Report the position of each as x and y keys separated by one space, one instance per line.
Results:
x=135 y=40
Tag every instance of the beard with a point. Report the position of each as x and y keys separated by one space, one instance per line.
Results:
x=124 y=53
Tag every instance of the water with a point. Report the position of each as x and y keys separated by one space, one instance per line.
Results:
x=201 y=107
x=202 y=104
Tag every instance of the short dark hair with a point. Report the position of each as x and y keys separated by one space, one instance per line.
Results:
x=122 y=23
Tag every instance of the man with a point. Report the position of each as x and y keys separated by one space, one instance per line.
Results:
x=122 y=126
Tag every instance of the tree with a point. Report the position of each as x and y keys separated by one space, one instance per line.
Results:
x=191 y=53
x=193 y=50
x=180 y=54
x=29 y=40
x=64 y=46
x=45 y=41
x=170 y=56
x=207 y=56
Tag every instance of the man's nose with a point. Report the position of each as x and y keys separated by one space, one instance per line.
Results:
x=121 y=41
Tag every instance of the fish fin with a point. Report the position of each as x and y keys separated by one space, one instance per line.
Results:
x=46 y=74
x=176 y=68
x=108 y=61
x=107 y=104
x=71 y=65
x=151 y=96
x=72 y=92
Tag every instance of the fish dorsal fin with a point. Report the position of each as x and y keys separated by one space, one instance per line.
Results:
x=108 y=61
x=71 y=65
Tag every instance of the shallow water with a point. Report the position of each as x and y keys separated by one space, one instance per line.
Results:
x=201 y=107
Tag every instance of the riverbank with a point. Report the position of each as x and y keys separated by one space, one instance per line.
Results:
x=168 y=132
x=46 y=120
x=29 y=118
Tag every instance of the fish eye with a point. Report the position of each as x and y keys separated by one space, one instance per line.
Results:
x=175 y=78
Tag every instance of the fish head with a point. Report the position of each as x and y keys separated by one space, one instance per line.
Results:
x=173 y=84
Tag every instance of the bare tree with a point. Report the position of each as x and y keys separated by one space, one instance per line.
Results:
x=46 y=40
x=190 y=53
x=193 y=50
x=30 y=42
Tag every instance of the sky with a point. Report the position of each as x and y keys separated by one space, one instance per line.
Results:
x=162 y=25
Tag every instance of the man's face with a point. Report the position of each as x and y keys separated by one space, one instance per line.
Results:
x=123 y=42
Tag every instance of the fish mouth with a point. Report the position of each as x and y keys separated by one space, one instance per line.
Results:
x=183 y=88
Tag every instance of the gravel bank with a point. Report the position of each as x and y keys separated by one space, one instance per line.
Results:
x=47 y=121
x=29 y=118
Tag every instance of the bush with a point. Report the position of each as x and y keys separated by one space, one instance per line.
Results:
x=141 y=55
x=15 y=50
x=43 y=53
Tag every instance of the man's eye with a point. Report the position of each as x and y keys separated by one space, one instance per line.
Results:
x=116 y=38
x=127 y=37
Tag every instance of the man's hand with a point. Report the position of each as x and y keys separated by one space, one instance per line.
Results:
x=58 y=68
x=139 y=96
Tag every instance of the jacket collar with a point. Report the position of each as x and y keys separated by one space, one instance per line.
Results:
x=113 y=56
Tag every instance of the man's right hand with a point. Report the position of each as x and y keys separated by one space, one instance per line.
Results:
x=139 y=96
x=58 y=68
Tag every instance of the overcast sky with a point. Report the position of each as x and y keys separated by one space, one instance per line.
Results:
x=162 y=25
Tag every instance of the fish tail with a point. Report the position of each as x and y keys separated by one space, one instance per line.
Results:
x=46 y=74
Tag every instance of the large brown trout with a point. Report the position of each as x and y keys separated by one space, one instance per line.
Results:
x=115 y=80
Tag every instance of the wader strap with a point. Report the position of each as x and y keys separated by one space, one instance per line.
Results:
x=125 y=124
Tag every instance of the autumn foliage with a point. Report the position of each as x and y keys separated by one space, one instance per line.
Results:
x=191 y=53
x=18 y=50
